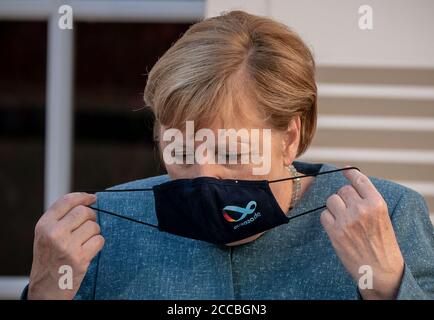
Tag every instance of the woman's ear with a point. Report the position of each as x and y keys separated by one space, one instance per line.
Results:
x=291 y=140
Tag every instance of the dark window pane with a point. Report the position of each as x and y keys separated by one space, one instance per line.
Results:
x=113 y=143
x=22 y=114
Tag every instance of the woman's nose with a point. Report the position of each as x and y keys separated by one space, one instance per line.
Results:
x=208 y=170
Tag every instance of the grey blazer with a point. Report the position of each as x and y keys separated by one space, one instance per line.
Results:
x=292 y=261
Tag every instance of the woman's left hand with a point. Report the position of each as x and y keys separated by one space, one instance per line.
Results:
x=358 y=225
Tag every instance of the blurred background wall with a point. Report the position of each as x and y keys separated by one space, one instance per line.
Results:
x=70 y=100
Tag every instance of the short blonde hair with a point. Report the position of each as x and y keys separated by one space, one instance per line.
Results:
x=192 y=80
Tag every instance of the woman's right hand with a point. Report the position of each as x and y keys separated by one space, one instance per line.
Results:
x=66 y=234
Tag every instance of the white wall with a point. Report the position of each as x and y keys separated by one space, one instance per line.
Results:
x=402 y=33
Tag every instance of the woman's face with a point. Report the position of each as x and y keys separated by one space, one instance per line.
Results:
x=274 y=152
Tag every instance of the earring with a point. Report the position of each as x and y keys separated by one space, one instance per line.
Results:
x=296 y=186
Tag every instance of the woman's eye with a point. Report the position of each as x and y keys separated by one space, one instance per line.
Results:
x=227 y=157
x=179 y=156
x=184 y=156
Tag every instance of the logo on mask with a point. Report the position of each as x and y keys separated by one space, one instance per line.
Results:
x=235 y=213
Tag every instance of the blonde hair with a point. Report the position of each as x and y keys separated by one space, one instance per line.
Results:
x=195 y=77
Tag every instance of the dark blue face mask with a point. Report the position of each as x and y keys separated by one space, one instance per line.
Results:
x=218 y=211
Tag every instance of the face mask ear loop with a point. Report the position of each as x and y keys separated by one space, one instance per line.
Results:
x=313 y=174
x=118 y=215
x=123 y=217
x=306 y=212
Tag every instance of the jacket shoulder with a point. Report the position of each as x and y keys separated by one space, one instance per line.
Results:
x=392 y=190
x=394 y=194
x=141 y=183
x=137 y=204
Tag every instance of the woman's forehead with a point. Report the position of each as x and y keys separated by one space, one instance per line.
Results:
x=244 y=116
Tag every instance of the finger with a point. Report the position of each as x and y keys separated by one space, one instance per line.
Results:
x=361 y=183
x=92 y=246
x=76 y=217
x=86 y=231
x=65 y=203
x=327 y=220
x=335 y=204
x=349 y=195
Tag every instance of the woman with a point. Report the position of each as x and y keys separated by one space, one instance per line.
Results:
x=372 y=239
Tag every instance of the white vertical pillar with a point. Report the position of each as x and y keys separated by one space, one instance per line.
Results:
x=59 y=113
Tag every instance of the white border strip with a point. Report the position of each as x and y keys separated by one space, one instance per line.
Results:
x=381 y=123
x=149 y=11
x=369 y=155
x=106 y=10
x=11 y=287
x=25 y=10
x=338 y=90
